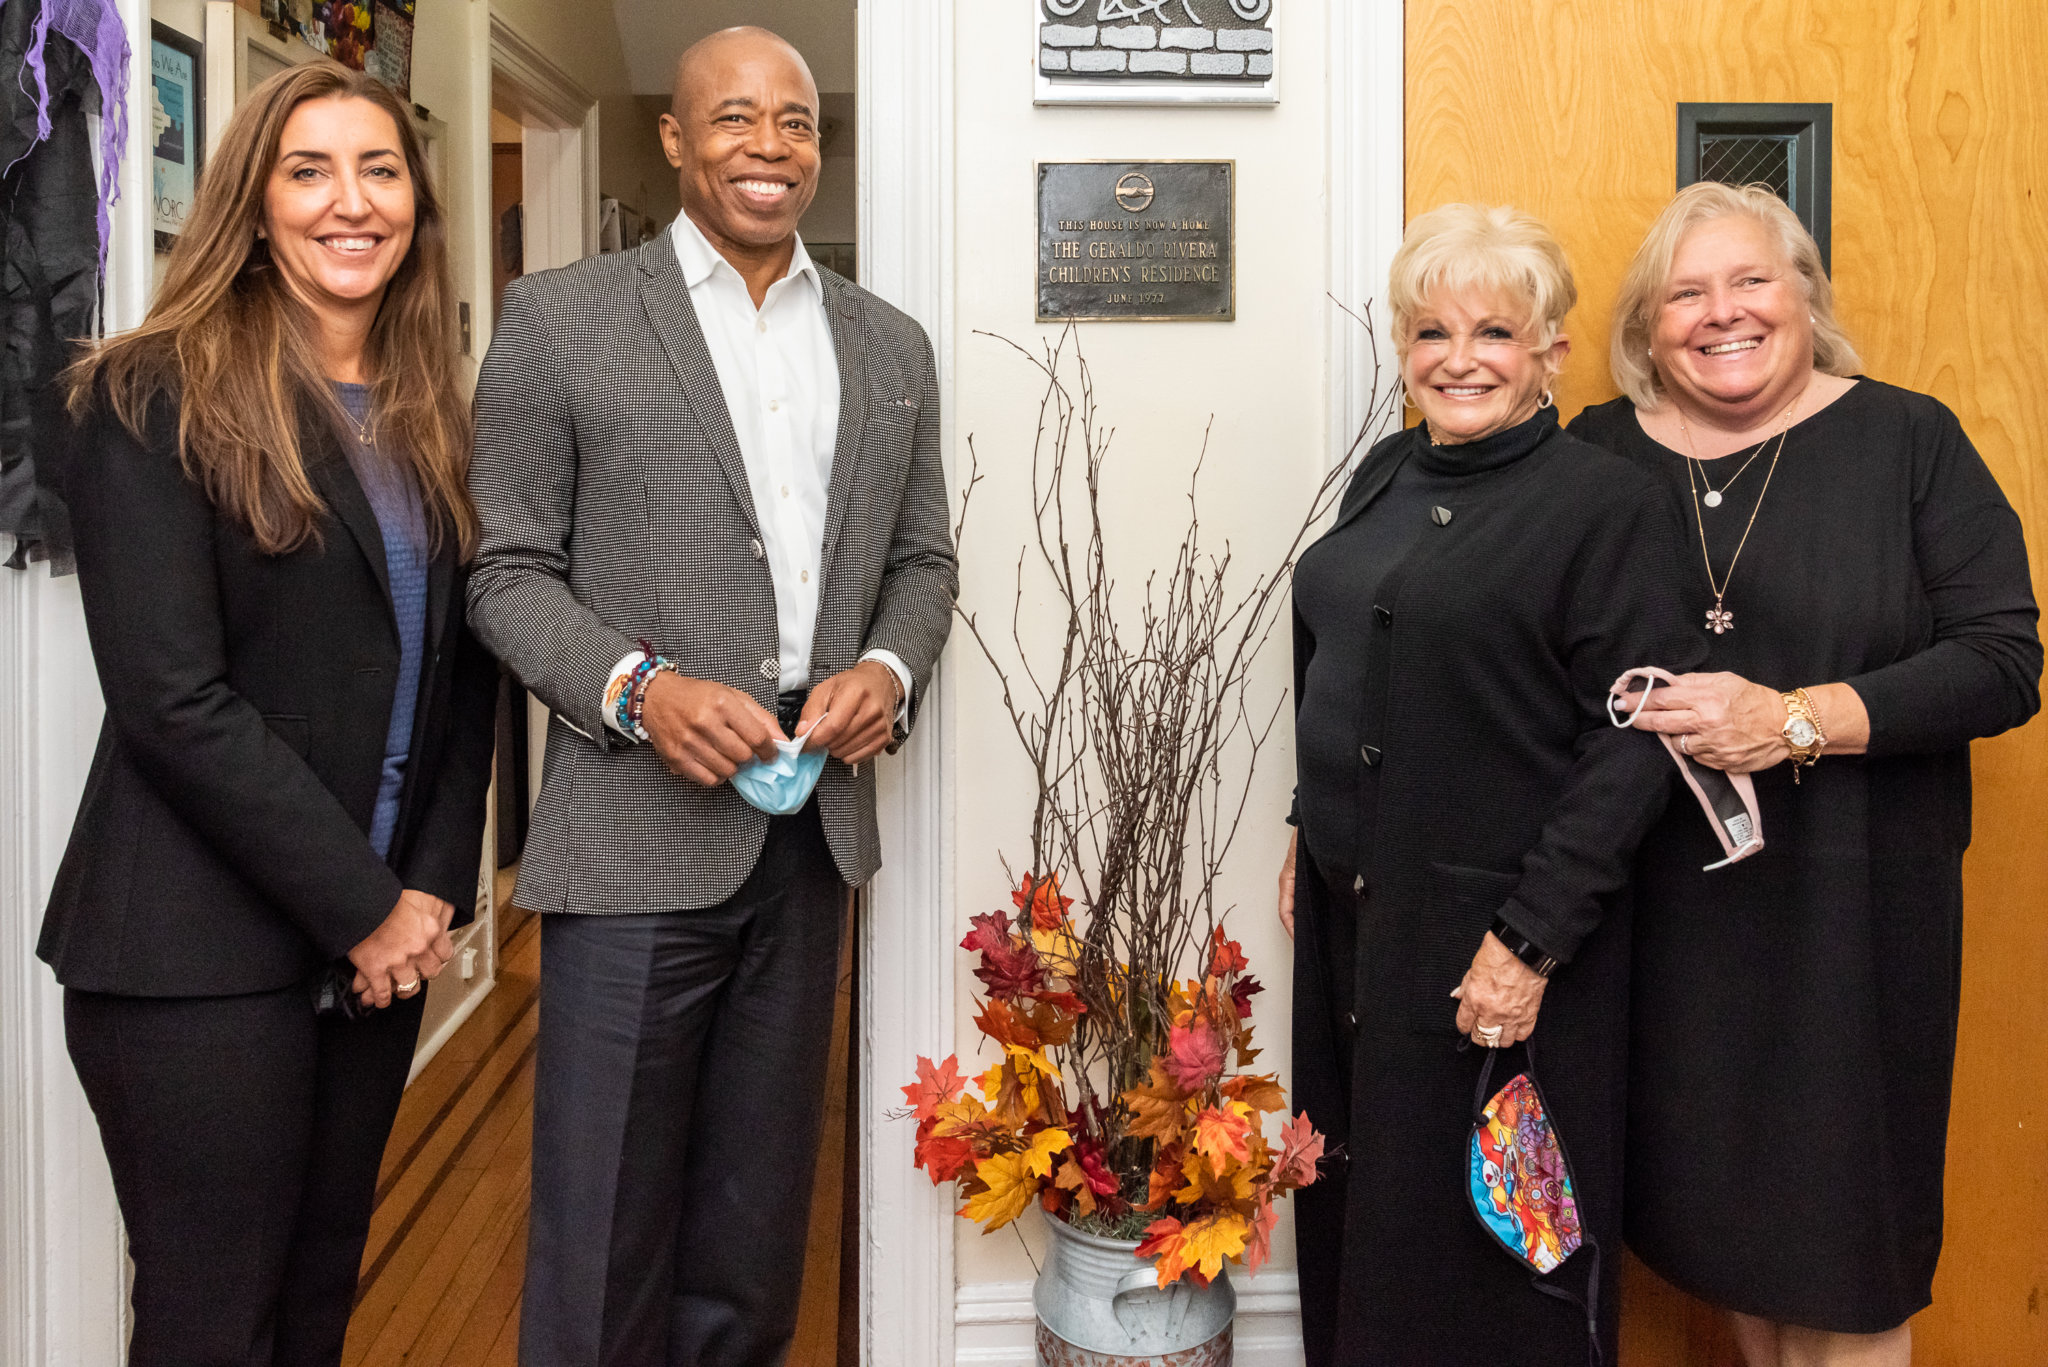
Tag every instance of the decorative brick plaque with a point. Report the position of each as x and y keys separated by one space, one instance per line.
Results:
x=1171 y=51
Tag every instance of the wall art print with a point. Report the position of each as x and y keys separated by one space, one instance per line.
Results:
x=177 y=93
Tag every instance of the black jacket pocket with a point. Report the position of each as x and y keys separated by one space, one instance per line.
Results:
x=1459 y=909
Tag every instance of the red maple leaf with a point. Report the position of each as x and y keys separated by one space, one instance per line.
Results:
x=1301 y=1148
x=1010 y=967
x=944 y=1156
x=991 y=931
x=1194 y=1056
x=1100 y=1179
x=1241 y=993
x=1042 y=895
x=935 y=1085
x=1225 y=955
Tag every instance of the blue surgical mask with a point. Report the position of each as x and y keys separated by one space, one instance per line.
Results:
x=782 y=786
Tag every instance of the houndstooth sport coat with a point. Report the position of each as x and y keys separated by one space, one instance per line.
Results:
x=615 y=506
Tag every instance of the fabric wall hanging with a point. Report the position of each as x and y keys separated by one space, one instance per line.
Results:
x=71 y=58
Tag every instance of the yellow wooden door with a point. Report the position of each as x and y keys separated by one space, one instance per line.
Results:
x=1567 y=108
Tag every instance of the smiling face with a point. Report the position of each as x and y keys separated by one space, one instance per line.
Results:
x=743 y=132
x=1734 y=332
x=1471 y=367
x=338 y=209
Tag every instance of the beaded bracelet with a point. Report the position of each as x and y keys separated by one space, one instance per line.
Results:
x=626 y=711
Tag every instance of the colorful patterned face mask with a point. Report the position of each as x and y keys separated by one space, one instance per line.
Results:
x=1520 y=1185
x=1729 y=800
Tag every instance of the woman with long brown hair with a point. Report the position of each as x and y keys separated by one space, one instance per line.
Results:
x=284 y=816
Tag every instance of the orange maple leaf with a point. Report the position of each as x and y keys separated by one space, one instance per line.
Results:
x=1158 y=1109
x=1071 y=1178
x=1225 y=955
x=1224 y=1133
x=1166 y=1172
x=1260 y=1091
x=1042 y=895
x=935 y=1085
x=943 y=1156
x=1004 y=1026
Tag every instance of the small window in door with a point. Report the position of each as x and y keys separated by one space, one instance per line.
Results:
x=1785 y=146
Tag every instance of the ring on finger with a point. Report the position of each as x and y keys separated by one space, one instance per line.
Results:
x=1685 y=744
x=407 y=989
x=1488 y=1035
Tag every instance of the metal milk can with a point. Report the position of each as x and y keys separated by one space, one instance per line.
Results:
x=1099 y=1306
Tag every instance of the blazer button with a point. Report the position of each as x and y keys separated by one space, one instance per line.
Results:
x=756 y=549
x=1384 y=615
x=1441 y=515
x=771 y=668
x=1370 y=754
x=1358 y=883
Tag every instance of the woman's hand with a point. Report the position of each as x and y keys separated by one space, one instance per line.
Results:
x=408 y=949
x=1287 y=884
x=1727 y=722
x=1501 y=990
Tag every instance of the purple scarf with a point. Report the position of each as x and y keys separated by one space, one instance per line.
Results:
x=95 y=26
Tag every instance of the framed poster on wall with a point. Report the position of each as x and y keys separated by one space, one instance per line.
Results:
x=177 y=109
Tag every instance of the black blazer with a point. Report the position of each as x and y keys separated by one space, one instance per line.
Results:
x=221 y=846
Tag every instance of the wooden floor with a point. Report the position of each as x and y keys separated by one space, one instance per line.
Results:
x=442 y=1272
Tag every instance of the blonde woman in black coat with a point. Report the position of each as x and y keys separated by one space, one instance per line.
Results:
x=1467 y=813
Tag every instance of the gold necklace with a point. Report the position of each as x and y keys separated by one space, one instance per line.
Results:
x=1720 y=620
x=1712 y=498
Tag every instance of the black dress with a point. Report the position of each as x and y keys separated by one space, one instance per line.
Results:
x=1484 y=780
x=1794 y=1015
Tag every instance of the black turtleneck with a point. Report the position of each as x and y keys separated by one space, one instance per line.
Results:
x=1334 y=588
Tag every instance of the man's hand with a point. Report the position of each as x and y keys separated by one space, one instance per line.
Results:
x=1287 y=884
x=705 y=731
x=858 y=711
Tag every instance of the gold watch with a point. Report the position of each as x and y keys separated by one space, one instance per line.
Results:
x=1802 y=732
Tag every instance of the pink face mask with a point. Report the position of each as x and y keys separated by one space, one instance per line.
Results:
x=1729 y=800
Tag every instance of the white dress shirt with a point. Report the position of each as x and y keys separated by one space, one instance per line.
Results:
x=780 y=376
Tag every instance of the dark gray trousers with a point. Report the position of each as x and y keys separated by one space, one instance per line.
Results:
x=244 y=1134
x=677 y=1104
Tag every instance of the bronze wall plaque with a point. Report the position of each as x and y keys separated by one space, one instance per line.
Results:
x=1137 y=241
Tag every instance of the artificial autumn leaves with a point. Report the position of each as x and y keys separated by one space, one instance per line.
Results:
x=1214 y=1176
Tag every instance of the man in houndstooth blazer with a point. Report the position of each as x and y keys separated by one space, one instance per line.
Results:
x=646 y=423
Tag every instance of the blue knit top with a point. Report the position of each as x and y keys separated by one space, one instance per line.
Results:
x=402 y=522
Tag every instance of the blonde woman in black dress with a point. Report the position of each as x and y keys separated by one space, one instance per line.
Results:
x=1862 y=585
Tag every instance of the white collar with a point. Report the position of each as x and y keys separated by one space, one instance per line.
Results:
x=699 y=259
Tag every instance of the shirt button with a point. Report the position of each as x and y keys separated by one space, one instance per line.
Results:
x=1385 y=615
x=805 y=576
x=774 y=405
x=785 y=491
x=757 y=550
x=761 y=326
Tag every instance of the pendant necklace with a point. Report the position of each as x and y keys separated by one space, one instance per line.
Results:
x=1720 y=620
x=1712 y=497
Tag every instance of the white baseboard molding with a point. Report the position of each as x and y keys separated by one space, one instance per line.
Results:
x=993 y=1323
